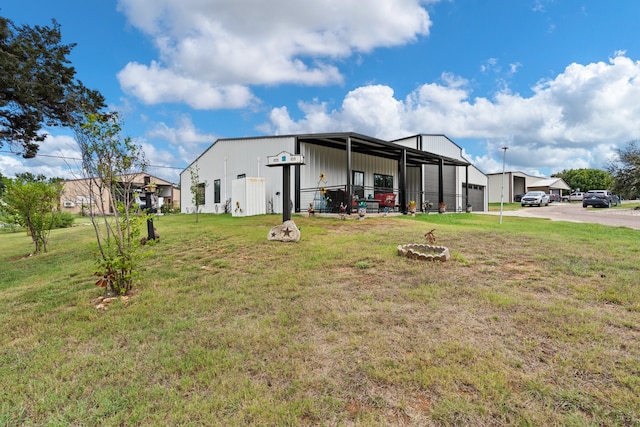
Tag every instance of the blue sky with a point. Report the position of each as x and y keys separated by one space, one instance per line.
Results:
x=557 y=81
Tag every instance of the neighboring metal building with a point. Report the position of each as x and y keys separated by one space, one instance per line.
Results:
x=339 y=167
x=519 y=183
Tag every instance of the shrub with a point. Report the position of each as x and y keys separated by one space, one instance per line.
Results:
x=63 y=220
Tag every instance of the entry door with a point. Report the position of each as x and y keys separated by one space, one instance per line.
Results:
x=358 y=184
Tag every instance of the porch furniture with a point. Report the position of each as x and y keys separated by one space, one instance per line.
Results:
x=386 y=199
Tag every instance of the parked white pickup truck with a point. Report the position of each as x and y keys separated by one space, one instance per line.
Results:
x=573 y=197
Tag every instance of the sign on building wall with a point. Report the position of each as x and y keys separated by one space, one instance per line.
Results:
x=285 y=158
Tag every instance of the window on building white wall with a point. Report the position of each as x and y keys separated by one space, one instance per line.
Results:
x=382 y=183
x=358 y=184
x=216 y=191
x=201 y=193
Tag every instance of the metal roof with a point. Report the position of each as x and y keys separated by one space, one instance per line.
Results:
x=557 y=183
x=377 y=147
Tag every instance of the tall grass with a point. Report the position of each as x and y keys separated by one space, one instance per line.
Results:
x=531 y=322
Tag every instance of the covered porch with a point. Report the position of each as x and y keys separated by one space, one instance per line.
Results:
x=409 y=162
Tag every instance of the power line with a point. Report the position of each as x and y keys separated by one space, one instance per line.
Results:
x=74 y=158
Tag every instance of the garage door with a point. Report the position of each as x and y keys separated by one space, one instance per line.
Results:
x=476 y=196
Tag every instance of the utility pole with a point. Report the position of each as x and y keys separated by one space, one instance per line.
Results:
x=149 y=207
x=504 y=158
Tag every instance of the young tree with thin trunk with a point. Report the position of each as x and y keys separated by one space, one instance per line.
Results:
x=197 y=189
x=111 y=164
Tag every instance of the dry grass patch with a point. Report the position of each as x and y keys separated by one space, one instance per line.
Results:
x=227 y=328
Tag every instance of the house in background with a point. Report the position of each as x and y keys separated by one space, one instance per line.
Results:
x=76 y=194
x=516 y=183
x=346 y=168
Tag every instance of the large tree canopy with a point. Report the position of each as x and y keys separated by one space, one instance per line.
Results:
x=38 y=86
x=586 y=179
x=626 y=170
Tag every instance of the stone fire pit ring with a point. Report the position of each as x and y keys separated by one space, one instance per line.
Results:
x=424 y=252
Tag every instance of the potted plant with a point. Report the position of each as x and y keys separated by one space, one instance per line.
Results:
x=362 y=209
x=412 y=207
x=442 y=207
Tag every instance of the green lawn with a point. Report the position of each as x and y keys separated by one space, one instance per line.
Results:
x=531 y=322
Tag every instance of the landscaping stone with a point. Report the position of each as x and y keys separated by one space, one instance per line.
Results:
x=424 y=252
x=285 y=232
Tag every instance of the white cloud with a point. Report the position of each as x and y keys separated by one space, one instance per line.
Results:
x=575 y=120
x=58 y=157
x=210 y=52
x=154 y=84
x=184 y=133
x=185 y=143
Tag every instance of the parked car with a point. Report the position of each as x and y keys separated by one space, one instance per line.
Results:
x=573 y=197
x=535 y=198
x=599 y=198
x=518 y=198
x=553 y=197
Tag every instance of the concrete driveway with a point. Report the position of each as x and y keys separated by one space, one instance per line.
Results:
x=574 y=212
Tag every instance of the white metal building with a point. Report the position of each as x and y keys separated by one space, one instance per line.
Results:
x=338 y=167
x=515 y=183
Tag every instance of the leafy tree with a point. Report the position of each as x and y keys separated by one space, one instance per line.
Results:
x=38 y=85
x=33 y=201
x=626 y=170
x=2 y=184
x=197 y=189
x=111 y=164
x=586 y=179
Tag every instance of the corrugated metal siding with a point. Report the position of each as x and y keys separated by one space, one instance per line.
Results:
x=450 y=186
x=514 y=183
x=411 y=142
x=249 y=155
x=441 y=145
x=436 y=144
x=248 y=197
x=413 y=185
x=476 y=176
x=431 y=184
x=476 y=197
x=454 y=177
x=226 y=159
x=320 y=160
x=451 y=192
x=333 y=164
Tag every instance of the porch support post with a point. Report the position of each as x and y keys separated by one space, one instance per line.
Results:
x=466 y=186
x=296 y=180
x=349 y=189
x=286 y=190
x=422 y=199
x=403 y=181
x=441 y=181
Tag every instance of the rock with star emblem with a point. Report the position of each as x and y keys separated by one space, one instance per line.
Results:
x=285 y=232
